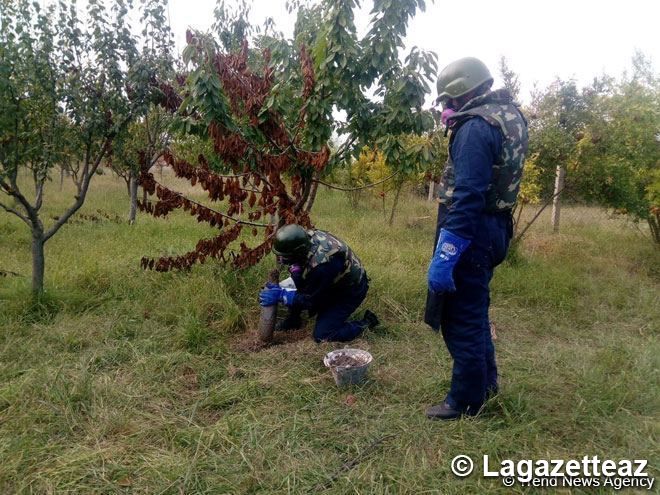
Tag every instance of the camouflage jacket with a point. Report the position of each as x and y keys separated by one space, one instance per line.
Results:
x=498 y=109
x=324 y=246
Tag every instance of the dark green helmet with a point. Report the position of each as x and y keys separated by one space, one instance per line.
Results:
x=291 y=242
x=462 y=76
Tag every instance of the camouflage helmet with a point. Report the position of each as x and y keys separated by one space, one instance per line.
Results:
x=460 y=77
x=291 y=241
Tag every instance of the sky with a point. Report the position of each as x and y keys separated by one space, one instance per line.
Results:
x=541 y=39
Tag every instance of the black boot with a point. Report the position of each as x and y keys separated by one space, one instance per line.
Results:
x=443 y=411
x=291 y=322
x=371 y=319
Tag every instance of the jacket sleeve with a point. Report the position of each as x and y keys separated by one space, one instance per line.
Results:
x=318 y=283
x=475 y=148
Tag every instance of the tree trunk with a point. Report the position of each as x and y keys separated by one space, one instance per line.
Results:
x=133 y=191
x=654 y=225
x=396 y=202
x=61 y=178
x=312 y=192
x=306 y=187
x=127 y=181
x=38 y=262
x=556 y=204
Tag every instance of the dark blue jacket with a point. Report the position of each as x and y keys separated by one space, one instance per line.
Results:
x=475 y=147
x=318 y=287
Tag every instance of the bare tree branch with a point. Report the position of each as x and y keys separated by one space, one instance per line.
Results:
x=17 y=213
x=14 y=191
x=88 y=173
x=339 y=188
x=343 y=149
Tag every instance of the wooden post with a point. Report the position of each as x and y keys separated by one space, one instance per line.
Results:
x=431 y=190
x=556 y=203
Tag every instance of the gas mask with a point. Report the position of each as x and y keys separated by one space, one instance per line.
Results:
x=446 y=115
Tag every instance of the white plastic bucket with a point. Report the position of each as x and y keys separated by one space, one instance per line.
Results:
x=348 y=366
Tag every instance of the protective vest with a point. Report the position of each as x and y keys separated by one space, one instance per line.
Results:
x=324 y=246
x=498 y=109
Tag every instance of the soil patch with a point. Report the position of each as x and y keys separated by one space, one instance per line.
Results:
x=251 y=342
x=346 y=361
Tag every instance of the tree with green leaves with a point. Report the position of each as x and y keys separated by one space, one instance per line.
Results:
x=67 y=89
x=558 y=116
x=618 y=155
x=419 y=156
x=273 y=106
x=141 y=144
x=606 y=137
x=510 y=79
x=139 y=147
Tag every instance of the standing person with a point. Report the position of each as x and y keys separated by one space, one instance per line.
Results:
x=478 y=189
x=330 y=282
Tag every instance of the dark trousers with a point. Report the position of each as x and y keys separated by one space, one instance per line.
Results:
x=464 y=322
x=331 y=324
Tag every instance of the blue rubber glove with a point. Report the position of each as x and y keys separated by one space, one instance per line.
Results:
x=448 y=251
x=271 y=295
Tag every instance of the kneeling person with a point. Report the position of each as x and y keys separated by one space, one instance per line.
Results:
x=330 y=282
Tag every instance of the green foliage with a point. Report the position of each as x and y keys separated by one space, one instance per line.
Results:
x=270 y=106
x=416 y=158
x=619 y=154
x=530 y=187
x=189 y=147
x=142 y=143
x=605 y=136
x=509 y=78
x=557 y=116
x=346 y=71
x=68 y=89
x=369 y=168
x=653 y=189
x=32 y=123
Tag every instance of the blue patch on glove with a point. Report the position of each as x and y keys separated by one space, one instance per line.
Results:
x=287 y=296
x=447 y=252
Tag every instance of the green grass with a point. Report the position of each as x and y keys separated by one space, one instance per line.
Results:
x=124 y=381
